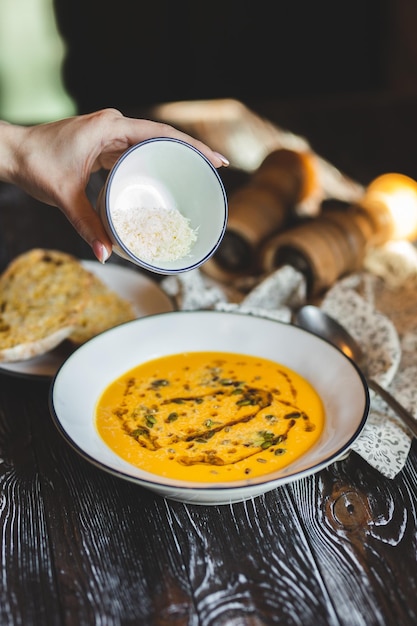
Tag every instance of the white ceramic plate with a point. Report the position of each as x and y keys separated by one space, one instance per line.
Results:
x=145 y=295
x=337 y=380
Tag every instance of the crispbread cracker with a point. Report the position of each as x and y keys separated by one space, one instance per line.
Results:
x=48 y=296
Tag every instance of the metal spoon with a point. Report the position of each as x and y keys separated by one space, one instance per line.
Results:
x=318 y=322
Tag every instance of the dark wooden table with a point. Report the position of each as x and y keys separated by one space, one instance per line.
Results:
x=80 y=547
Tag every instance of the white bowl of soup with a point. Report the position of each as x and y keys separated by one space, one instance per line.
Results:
x=209 y=407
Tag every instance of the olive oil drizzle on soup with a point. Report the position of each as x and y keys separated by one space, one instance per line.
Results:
x=210 y=416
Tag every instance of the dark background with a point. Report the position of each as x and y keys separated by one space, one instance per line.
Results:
x=341 y=74
x=131 y=54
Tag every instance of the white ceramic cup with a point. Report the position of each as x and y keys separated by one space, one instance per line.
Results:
x=151 y=178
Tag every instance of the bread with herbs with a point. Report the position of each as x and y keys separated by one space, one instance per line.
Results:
x=47 y=297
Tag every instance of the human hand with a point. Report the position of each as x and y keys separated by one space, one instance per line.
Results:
x=53 y=162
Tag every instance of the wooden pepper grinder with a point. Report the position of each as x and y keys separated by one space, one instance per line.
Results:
x=335 y=243
x=261 y=208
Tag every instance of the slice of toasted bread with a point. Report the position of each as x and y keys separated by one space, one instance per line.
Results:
x=48 y=296
x=42 y=293
x=103 y=309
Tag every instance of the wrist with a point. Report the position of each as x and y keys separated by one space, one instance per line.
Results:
x=11 y=137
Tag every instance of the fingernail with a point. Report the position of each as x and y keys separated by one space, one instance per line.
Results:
x=223 y=159
x=100 y=251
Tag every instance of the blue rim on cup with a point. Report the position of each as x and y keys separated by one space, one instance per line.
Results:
x=164 y=206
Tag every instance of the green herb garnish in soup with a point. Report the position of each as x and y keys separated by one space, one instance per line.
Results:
x=210 y=416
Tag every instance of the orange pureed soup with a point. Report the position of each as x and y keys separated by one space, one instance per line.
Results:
x=210 y=416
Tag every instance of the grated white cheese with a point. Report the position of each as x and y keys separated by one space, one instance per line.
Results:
x=154 y=234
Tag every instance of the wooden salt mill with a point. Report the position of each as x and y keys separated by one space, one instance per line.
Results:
x=335 y=243
x=261 y=208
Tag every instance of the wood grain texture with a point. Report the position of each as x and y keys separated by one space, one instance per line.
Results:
x=80 y=547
